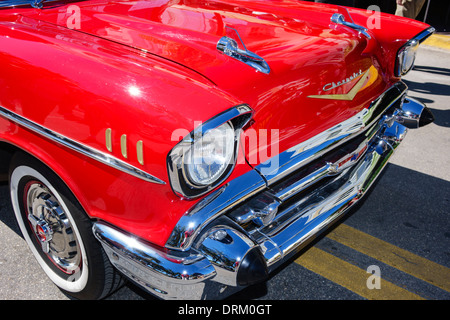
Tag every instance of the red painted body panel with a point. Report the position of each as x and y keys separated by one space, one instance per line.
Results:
x=147 y=68
x=295 y=39
x=79 y=87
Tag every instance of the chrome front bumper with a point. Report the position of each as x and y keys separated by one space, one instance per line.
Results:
x=238 y=234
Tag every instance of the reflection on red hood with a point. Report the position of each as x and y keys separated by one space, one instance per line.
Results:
x=307 y=55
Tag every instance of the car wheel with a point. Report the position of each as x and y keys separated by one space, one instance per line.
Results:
x=58 y=231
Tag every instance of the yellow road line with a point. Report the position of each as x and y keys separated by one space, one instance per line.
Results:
x=351 y=277
x=396 y=257
x=438 y=40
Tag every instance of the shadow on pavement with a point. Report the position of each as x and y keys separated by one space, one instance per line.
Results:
x=435 y=70
x=441 y=117
x=406 y=208
x=428 y=88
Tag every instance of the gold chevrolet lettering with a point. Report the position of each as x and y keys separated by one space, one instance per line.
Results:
x=369 y=75
x=332 y=85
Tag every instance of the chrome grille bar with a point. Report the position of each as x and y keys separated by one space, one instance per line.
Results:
x=236 y=194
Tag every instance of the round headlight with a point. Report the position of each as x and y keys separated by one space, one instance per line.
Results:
x=208 y=157
x=406 y=57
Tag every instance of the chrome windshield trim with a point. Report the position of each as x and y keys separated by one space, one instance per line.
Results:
x=31 y=3
x=90 y=152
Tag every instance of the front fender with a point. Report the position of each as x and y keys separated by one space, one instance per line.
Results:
x=114 y=99
x=386 y=43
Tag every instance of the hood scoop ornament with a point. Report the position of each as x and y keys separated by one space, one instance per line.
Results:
x=339 y=18
x=229 y=47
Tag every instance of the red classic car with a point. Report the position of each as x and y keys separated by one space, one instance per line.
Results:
x=193 y=146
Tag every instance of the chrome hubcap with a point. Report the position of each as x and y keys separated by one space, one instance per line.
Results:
x=52 y=228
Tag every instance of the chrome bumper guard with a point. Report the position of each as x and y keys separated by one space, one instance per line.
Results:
x=238 y=234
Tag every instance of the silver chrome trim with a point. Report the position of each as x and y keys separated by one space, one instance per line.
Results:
x=164 y=275
x=179 y=181
x=339 y=18
x=415 y=41
x=79 y=147
x=411 y=115
x=225 y=248
x=243 y=187
x=307 y=151
x=422 y=36
x=212 y=206
x=225 y=243
x=316 y=216
x=229 y=47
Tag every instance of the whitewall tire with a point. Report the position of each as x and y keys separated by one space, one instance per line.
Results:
x=58 y=231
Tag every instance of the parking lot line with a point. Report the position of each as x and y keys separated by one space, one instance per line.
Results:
x=441 y=41
x=351 y=277
x=394 y=256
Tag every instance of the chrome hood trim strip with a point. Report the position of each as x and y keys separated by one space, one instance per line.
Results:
x=79 y=147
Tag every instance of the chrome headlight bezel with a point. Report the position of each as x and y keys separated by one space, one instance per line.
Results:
x=406 y=54
x=181 y=180
x=406 y=57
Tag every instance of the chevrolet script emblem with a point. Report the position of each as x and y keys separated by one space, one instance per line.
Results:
x=364 y=79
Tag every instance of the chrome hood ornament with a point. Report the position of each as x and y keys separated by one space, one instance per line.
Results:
x=339 y=18
x=229 y=47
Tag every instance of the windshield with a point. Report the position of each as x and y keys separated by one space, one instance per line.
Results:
x=14 y=3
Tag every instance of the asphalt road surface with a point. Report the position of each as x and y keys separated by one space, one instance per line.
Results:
x=401 y=232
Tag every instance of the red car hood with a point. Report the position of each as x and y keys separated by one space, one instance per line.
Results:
x=309 y=58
